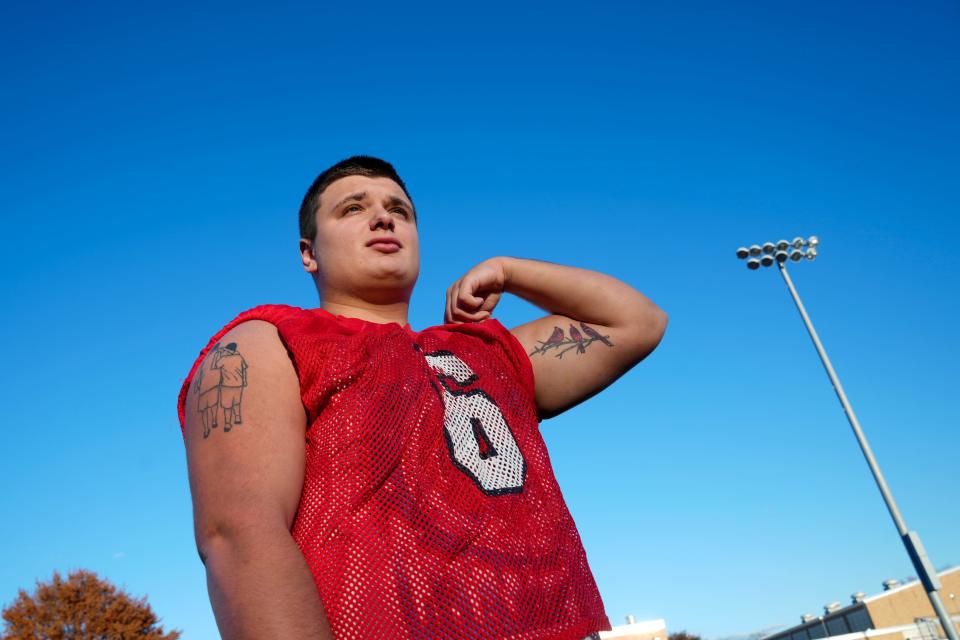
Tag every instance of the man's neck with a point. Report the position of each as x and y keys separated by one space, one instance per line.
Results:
x=380 y=313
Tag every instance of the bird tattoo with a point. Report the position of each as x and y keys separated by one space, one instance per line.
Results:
x=556 y=337
x=594 y=334
x=576 y=340
x=577 y=337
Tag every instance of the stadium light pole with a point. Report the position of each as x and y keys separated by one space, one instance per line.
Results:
x=799 y=249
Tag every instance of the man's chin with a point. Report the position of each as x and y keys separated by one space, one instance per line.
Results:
x=391 y=274
x=388 y=288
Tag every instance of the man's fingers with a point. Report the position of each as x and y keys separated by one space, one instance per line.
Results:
x=463 y=314
x=462 y=303
x=448 y=308
x=455 y=309
x=469 y=288
x=460 y=308
x=490 y=302
x=467 y=300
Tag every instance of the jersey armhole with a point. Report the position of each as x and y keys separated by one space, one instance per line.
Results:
x=524 y=365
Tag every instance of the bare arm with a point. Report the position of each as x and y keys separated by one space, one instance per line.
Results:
x=246 y=485
x=596 y=329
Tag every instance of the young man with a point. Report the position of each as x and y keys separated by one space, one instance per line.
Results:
x=387 y=483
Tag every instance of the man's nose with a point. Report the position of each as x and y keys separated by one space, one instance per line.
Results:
x=381 y=219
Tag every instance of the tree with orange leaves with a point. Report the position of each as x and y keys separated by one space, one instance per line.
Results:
x=82 y=607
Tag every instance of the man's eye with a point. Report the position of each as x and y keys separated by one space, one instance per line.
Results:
x=402 y=212
x=352 y=208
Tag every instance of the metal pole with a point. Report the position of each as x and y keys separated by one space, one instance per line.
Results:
x=910 y=539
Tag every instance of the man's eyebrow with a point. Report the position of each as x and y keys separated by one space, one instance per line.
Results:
x=401 y=202
x=360 y=195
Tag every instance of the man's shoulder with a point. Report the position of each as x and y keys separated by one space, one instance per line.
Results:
x=287 y=320
x=270 y=313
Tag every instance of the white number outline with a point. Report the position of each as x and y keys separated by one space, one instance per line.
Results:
x=459 y=404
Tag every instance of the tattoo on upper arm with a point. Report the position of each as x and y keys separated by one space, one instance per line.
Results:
x=561 y=343
x=218 y=385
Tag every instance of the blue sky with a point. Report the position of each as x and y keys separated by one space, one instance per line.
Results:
x=153 y=160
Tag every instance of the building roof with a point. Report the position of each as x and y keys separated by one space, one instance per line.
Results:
x=636 y=628
x=854 y=605
x=905 y=585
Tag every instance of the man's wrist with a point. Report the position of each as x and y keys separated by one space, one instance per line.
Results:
x=507 y=267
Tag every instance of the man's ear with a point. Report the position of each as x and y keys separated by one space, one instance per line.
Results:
x=308 y=256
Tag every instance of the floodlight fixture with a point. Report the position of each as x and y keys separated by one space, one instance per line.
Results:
x=769 y=253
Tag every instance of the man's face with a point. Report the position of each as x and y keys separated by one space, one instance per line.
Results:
x=367 y=243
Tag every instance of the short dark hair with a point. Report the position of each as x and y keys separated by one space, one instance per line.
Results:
x=353 y=166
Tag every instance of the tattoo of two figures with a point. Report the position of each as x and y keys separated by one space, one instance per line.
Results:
x=221 y=378
x=219 y=387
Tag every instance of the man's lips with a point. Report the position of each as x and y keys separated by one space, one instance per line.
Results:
x=385 y=245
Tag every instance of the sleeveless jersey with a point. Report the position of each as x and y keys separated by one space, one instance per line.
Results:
x=429 y=505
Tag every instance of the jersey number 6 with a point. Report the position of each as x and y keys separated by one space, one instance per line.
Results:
x=478 y=437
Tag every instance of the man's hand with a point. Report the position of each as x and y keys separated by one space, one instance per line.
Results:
x=473 y=297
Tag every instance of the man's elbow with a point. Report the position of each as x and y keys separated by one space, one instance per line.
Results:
x=221 y=538
x=647 y=330
x=660 y=322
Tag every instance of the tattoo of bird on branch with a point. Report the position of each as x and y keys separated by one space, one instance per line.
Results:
x=559 y=341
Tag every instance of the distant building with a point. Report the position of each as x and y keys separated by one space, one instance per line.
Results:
x=633 y=630
x=899 y=612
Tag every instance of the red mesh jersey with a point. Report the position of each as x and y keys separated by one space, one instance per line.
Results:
x=429 y=505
